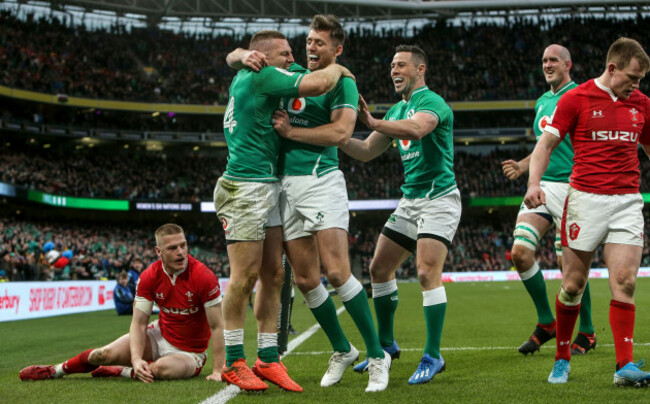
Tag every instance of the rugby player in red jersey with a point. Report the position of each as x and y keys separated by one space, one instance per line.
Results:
x=607 y=118
x=172 y=347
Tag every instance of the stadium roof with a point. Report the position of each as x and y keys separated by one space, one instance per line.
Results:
x=350 y=10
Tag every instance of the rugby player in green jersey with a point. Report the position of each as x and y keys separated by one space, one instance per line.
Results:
x=532 y=224
x=428 y=214
x=314 y=207
x=246 y=200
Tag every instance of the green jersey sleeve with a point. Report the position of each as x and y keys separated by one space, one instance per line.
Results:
x=345 y=95
x=434 y=106
x=276 y=82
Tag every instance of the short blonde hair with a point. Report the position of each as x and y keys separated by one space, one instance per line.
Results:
x=263 y=38
x=623 y=50
x=167 y=230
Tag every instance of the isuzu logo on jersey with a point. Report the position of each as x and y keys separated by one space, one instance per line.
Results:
x=297 y=105
x=621 y=135
x=175 y=310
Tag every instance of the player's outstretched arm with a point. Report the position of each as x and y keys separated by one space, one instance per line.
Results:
x=322 y=81
x=366 y=150
x=240 y=58
x=415 y=128
x=137 y=335
x=514 y=169
x=538 y=163
x=215 y=320
x=335 y=133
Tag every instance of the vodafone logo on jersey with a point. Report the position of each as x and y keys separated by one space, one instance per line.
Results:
x=545 y=120
x=297 y=105
x=404 y=144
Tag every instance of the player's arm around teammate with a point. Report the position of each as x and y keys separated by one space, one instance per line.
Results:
x=414 y=128
x=241 y=58
x=312 y=84
x=336 y=133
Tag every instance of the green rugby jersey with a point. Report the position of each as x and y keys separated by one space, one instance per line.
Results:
x=297 y=158
x=561 y=162
x=253 y=145
x=428 y=162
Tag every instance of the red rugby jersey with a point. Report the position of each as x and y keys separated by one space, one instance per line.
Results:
x=605 y=131
x=181 y=299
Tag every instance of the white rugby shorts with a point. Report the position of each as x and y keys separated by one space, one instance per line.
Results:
x=309 y=204
x=247 y=209
x=423 y=217
x=161 y=347
x=594 y=219
x=555 y=197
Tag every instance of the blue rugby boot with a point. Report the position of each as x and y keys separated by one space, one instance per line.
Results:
x=428 y=368
x=560 y=372
x=632 y=375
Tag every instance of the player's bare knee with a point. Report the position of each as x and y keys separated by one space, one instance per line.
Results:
x=379 y=273
x=425 y=274
x=161 y=371
x=277 y=277
x=337 y=278
x=523 y=258
x=306 y=283
x=100 y=356
x=626 y=282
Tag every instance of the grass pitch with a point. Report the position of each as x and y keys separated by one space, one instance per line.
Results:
x=485 y=323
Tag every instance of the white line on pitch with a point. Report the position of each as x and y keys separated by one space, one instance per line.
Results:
x=229 y=392
x=464 y=348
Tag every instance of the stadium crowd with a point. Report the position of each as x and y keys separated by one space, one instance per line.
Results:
x=48 y=55
x=95 y=251
x=100 y=251
x=190 y=176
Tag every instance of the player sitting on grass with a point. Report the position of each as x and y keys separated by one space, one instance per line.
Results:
x=175 y=345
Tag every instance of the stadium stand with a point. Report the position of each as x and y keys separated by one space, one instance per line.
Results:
x=154 y=65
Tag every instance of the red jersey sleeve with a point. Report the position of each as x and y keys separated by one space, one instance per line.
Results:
x=211 y=290
x=565 y=116
x=146 y=284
